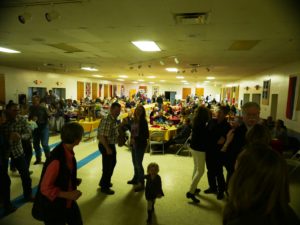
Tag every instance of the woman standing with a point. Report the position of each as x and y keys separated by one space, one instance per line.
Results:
x=198 y=146
x=139 y=136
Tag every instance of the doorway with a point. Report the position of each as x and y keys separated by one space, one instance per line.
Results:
x=170 y=96
x=256 y=98
x=60 y=92
x=246 y=98
x=274 y=103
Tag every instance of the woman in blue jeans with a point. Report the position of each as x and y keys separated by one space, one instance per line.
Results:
x=139 y=136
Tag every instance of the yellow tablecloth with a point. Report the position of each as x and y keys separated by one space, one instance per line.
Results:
x=168 y=134
x=89 y=126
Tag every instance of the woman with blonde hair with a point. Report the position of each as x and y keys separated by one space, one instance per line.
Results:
x=259 y=189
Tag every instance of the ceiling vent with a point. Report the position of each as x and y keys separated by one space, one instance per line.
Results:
x=191 y=18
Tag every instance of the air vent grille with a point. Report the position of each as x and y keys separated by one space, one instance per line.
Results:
x=191 y=18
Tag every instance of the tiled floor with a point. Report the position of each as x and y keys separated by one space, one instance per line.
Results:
x=128 y=207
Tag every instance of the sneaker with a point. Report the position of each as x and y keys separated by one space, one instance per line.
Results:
x=131 y=182
x=220 y=195
x=210 y=191
x=192 y=196
x=197 y=191
x=139 y=188
x=107 y=191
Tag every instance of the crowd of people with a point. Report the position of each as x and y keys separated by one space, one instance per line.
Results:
x=256 y=184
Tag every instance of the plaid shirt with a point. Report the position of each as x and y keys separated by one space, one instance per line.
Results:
x=20 y=126
x=108 y=127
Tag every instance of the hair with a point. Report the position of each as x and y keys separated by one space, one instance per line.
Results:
x=250 y=105
x=280 y=123
x=142 y=116
x=224 y=109
x=115 y=105
x=10 y=105
x=201 y=116
x=71 y=132
x=259 y=134
x=259 y=184
x=153 y=165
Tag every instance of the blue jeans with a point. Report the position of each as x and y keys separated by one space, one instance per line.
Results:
x=41 y=135
x=137 y=154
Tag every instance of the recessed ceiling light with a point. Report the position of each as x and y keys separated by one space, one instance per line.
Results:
x=184 y=81
x=123 y=76
x=206 y=81
x=135 y=82
x=7 y=50
x=120 y=79
x=162 y=81
x=141 y=80
x=180 y=77
x=89 y=68
x=146 y=46
x=210 y=78
x=151 y=77
x=172 y=69
x=96 y=75
x=151 y=82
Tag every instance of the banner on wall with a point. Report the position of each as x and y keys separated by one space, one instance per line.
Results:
x=291 y=98
x=100 y=89
x=87 y=89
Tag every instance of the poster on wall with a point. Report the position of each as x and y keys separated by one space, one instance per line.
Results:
x=115 y=90
x=100 y=89
x=87 y=89
x=266 y=92
x=155 y=90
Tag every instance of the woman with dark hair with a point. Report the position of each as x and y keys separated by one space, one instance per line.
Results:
x=280 y=133
x=139 y=136
x=259 y=189
x=198 y=148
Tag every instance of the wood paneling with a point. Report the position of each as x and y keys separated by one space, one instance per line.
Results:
x=94 y=90
x=186 y=92
x=80 y=90
x=199 y=92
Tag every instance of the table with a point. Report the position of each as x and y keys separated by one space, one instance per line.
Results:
x=169 y=132
x=89 y=127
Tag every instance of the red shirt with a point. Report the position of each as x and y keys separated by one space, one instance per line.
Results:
x=48 y=187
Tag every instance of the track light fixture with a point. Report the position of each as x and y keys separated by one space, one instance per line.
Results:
x=24 y=17
x=53 y=15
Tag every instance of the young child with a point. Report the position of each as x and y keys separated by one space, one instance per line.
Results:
x=153 y=188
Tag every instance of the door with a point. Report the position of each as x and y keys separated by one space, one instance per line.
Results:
x=94 y=90
x=256 y=98
x=186 y=92
x=80 y=90
x=246 y=98
x=40 y=91
x=274 y=104
x=60 y=92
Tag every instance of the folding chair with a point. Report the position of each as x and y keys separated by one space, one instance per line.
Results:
x=294 y=161
x=156 y=138
x=185 y=145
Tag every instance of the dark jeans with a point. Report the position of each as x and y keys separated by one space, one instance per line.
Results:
x=73 y=217
x=4 y=183
x=22 y=167
x=108 y=165
x=215 y=174
x=137 y=154
x=27 y=148
x=41 y=135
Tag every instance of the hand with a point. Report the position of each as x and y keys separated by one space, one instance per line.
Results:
x=78 y=181
x=14 y=136
x=73 y=195
x=108 y=151
x=221 y=141
x=229 y=136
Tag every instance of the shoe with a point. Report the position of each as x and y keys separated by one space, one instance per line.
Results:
x=210 y=191
x=38 y=161
x=197 y=191
x=13 y=169
x=220 y=195
x=131 y=182
x=107 y=191
x=192 y=196
x=30 y=172
x=110 y=185
x=9 y=209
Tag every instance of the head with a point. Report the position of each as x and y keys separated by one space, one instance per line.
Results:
x=201 y=116
x=187 y=121
x=153 y=168
x=139 y=112
x=260 y=182
x=115 y=109
x=12 y=111
x=259 y=134
x=36 y=100
x=279 y=123
x=250 y=111
x=71 y=133
x=50 y=92
x=222 y=113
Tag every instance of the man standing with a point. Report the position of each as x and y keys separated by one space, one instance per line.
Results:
x=107 y=135
x=236 y=138
x=39 y=114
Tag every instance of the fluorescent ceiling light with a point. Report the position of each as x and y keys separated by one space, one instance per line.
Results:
x=89 y=68
x=180 y=77
x=184 y=81
x=7 y=50
x=135 y=82
x=210 y=78
x=141 y=80
x=172 y=69
x=123 y=76
x=162 y=80
x=151 y=77
x=120 y=79
x=151 y=82
x=206 y=81
x=146 y=46
x=96 y=75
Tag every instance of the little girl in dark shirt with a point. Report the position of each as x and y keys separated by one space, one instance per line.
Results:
x=153 y=188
